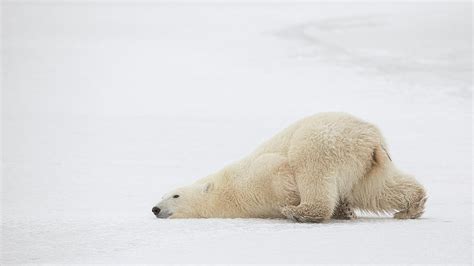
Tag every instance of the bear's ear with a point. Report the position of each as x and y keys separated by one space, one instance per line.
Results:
x=207 y=187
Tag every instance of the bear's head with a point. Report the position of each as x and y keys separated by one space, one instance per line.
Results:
x=185 y=202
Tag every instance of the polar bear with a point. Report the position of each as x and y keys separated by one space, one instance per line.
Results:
x=323 y=166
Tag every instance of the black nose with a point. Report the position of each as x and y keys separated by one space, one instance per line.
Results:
x=156 y=210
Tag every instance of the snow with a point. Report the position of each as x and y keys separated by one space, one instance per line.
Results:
x=107 y=106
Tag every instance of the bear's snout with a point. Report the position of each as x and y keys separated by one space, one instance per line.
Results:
x=156 y=210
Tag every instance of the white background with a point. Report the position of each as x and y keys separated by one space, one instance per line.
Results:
x=108 y=105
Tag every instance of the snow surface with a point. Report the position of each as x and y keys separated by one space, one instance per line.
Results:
x=107 y=106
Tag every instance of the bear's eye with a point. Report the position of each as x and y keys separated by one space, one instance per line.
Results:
x=176 y=196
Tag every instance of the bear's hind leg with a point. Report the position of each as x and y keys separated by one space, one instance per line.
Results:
x=413 y=209
x=318 y=199
x=397 y=192
x=406 y=196
x=344 y=211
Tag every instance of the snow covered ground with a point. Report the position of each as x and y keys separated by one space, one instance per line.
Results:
x=107 y=106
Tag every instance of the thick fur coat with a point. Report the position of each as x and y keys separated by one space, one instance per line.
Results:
x=323 y=166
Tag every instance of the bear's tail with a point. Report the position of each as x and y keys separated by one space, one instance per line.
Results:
x=380 y=155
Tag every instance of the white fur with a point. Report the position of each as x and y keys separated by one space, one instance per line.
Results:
x=322 y=166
